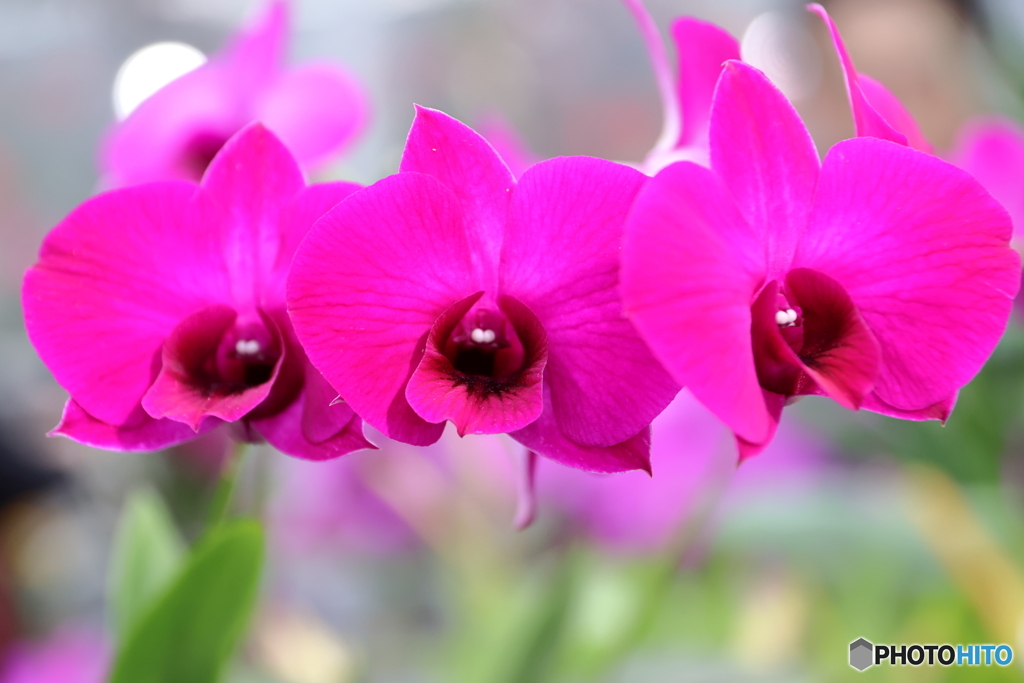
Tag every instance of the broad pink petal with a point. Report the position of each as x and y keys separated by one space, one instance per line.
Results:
x=545 y=438
x=921 y=249
x=139 y=433
x=691 y=266
x=458 y=157
x=937 y=411
x=702 y=50
x=366 y=286
x=113 y=279
x=316 y=109
x=763 y=152
x=893 y=111
x=187 y=389
x=992 y=150
x=286 y=431
x=866 y=120
x=246 y=188
x=561 y=258
x=507 y=142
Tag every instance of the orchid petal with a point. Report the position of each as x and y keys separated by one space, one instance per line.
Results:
x=316 y=109
x=322 y=415
x=480 y=405
x=940 y=410
x=774 y=403
x=921 y=249
x=256 y=52
x=139 y=432
x=545 y=438
x=286 y=431
x=672 y=121
x=691 y=266
x=561 y=258
x=893 y=111
x=992 y=150
x=366 y=286
x=465 y=163
x=763 y=152
x=866 y=119
x=113 y=279
x=702 y=49
x=246 y=189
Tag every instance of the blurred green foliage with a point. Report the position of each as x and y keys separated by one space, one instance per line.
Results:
x=190 y=631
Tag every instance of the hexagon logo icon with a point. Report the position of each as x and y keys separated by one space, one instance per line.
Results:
x=861 y=652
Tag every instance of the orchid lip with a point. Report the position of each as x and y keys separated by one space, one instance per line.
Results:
x=217 y=363
x=484 y=350
x=818 y=344
x=482 y=367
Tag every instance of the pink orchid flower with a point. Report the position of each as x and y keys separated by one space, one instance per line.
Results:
x=317 y=109
x=452 y=292
x=881 y=278
x=160 y=309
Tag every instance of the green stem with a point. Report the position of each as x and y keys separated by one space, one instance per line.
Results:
x=226 y=486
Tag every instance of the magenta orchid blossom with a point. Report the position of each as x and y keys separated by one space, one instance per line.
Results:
x=317 y=109
x=881 y=278
x=160 y=309
x=450 y=291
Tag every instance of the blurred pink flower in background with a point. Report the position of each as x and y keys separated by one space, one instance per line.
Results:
x=71 y=655
x=317 y=109
x=329 y=504
x=493 y=304
x=693 y=459
x=992 y=150
x=876 y=111
x=773 y=275
x=160 y=309
x=701 y=51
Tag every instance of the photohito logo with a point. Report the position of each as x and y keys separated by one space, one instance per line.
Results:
x=864 y=654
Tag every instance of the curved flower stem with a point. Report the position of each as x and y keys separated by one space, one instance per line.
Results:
x=224 y=492
x=672 y=123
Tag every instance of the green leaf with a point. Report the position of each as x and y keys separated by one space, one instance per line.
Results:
x=190 y=632
x=148 y=551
